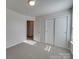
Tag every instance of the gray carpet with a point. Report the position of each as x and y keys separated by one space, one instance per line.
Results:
x=37 y=51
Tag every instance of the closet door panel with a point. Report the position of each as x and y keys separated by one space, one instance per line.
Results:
x=60 y=31
x=49 y=28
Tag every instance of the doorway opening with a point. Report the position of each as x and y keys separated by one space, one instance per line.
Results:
x=30 y=30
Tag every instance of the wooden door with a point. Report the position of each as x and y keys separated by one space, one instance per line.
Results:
x=30 y=25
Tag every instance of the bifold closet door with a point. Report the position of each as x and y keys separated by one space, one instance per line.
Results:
x=49 y=31
x=61 y=31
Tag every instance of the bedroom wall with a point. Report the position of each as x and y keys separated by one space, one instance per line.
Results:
x=15 y=28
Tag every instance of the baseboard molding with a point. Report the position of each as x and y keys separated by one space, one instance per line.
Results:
x=14 y=43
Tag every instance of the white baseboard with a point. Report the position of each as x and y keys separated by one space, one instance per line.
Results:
x=13 y=44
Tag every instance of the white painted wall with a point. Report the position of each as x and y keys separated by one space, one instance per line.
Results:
x=15 y=28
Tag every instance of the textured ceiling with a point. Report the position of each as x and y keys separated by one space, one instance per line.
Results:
x=42 y=7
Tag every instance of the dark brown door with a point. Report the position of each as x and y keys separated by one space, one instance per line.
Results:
x=30 y=25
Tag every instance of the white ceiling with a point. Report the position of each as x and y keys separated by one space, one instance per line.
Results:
x=42 y=7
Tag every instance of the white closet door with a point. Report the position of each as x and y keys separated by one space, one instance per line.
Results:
x=49 y=28
x=60 y=31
